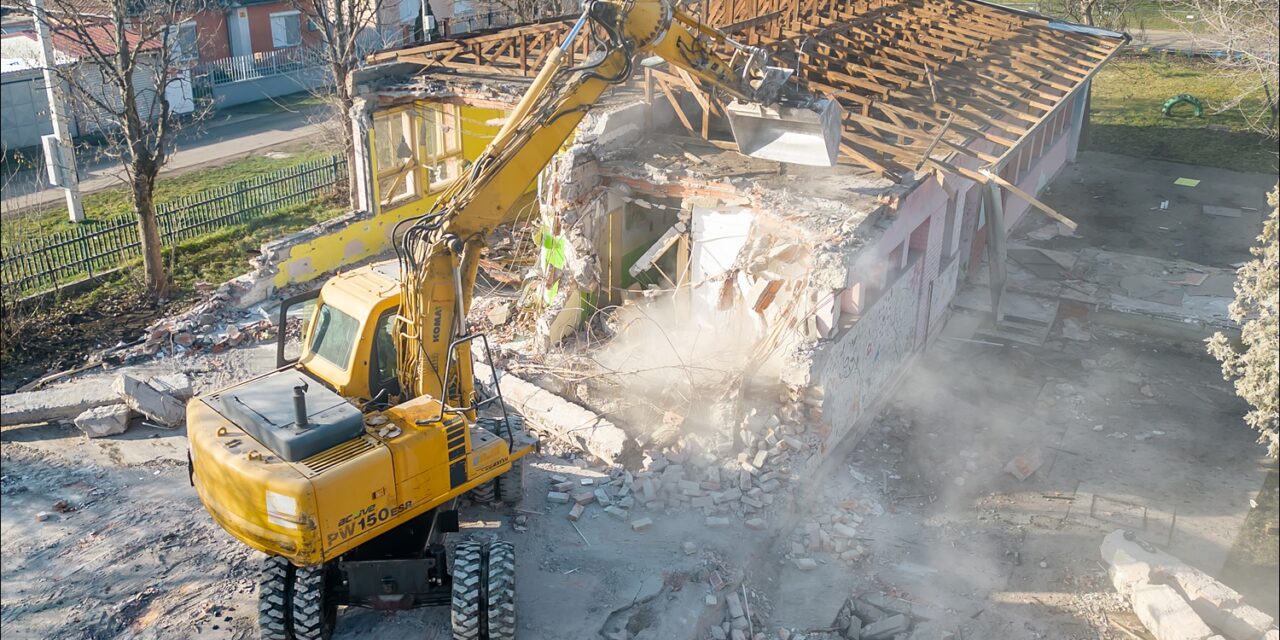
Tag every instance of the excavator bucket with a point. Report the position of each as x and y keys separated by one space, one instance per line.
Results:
x=796 y=135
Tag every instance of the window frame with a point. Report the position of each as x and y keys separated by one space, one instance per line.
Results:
x=406 y=171
x=293 y=13
x=176 y=46
x=448 y=142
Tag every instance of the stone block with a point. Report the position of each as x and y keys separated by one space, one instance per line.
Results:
x=1244 y=623
x=886 y=628
x=1127 y=573
x=109 y=420
x=1166 y=615
x=161 y=408
x=734 y=602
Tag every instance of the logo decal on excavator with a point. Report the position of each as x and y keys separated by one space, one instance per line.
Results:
x=436 y=323
x=366 y=518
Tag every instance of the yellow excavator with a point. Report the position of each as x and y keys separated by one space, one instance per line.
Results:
x=344 y=464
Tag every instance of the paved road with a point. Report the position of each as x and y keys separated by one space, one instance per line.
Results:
x=1171 y=40
x=223 y=137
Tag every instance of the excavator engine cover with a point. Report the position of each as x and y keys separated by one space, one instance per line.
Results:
x=798 y=135
x=263 y=408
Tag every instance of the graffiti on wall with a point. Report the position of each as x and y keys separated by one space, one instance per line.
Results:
x=944 y=289
x=863 y=362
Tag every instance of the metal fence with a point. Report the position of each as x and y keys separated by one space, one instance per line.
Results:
x=258 y=65
x=32 y=264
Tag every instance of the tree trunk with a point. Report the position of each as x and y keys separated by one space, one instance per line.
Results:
x=345 y=101
x=157 y=278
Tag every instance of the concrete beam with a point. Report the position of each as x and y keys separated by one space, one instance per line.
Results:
x=563 y=420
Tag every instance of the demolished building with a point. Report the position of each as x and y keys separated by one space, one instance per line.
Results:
x=799 y=294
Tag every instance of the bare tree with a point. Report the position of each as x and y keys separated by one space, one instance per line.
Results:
x=1107 y=14
x=522 y=10
x=1247 y=32
x=348 y=30
x=126 y=62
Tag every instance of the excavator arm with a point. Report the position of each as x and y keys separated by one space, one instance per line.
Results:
x=439 y=251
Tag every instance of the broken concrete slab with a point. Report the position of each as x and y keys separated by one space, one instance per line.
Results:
x=1025 y=464
x=1127 y=573
x=107 y=420
x=1242 y=623
x=162 y=408
x=63 y=402
x=886 y=628
x=564 y=420
x=1166 y=615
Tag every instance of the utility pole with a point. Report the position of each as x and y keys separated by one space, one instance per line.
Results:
x=59 y=154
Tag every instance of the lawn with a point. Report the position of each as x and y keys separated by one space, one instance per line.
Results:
x=59 y=331
x=113 y=202
x=1125 y=115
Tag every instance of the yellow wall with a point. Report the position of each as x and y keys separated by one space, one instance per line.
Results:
x=355 y=242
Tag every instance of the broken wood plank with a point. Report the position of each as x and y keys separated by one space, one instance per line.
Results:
x=992 y=177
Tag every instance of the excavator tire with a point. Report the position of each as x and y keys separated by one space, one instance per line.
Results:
x=484 y=597
x=275 y=597
x=510 y=485
x=314 y=611
x=486 y=493
x=465 y=604
x=501 y=595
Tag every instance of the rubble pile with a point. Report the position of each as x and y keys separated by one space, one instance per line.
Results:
x=1176 y=601
x=835 y=531
x=216 y=323
x=160 y=400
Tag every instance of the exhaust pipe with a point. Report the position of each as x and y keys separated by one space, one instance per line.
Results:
x=300 y=405
x=797 y=135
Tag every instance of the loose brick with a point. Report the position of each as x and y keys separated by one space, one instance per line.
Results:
x=587 y=482
x=728 y=496
x=555 y=477
x=557 y=497
x=702 y=502
x=844 y=530
x=641 y=524
x=617 y=512
x=755 y=523
x=575 y=513
x=714 y=522
x=583 y=497
x=806 y=564
x=602 y=497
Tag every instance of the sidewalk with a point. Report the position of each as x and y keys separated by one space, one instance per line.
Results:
x=220 y=138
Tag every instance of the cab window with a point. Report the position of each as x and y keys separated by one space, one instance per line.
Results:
x=383 y=370
x=334 y=336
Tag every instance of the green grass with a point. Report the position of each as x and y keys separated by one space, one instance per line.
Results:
x=1125 y=115
x=109 y=203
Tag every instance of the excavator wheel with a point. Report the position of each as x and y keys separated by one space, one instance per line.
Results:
x=483 y=606
x=510 y=485
x=275 y=599
x=315 y=613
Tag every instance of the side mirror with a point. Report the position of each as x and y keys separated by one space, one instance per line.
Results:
x=300 y=305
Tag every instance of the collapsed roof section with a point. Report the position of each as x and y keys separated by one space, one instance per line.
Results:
x=951 y=85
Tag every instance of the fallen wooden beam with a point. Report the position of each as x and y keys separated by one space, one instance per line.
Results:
x=991 y=177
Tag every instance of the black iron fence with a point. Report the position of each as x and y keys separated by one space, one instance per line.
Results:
x=43 y=261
